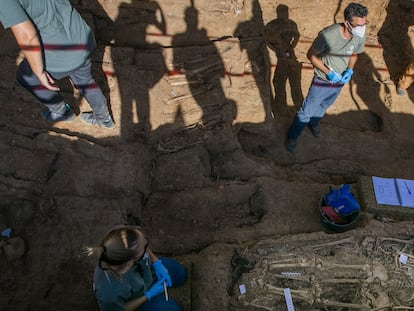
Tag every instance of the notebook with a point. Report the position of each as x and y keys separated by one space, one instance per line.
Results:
x=394 y=191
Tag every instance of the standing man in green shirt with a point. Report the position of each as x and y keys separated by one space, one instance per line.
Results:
x=56 y=43
x=333 y=55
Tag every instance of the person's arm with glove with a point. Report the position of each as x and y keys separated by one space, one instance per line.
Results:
x=156 y=289
x=347 y=74
x=331 y=75
x=160 y=270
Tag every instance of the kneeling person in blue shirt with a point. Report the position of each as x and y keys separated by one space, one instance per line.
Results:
x=129 y=276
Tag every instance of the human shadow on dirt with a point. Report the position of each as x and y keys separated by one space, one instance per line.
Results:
x=368 y=82
x=251 y=34
x=138 y=64
x=196 y=57
x=198 y=102
x=398 y=50
x=282 y=36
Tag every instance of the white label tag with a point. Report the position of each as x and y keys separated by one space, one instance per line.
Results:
x=403 y=259
x=288 y=298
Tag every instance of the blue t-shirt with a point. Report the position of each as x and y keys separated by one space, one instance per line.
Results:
x=66 y=39
x=113 y=292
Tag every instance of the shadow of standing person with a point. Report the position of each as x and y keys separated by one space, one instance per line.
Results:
x=282 y=36
x=250 y=34
x=138 y=64
x=368 y=83
x=196 y=56
x=393 y=36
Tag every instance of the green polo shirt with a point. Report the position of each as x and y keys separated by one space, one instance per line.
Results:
x=66 y=39
x=334 y=50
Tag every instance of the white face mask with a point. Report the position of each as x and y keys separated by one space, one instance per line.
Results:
x=359 y=31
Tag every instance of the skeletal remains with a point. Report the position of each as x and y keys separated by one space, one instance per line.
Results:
x=346 y=274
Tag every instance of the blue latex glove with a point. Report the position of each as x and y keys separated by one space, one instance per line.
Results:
x=333 y=76
x=161 y=272
x=346 y=75
x=156 y=289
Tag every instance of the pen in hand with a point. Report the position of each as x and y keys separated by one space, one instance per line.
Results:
x=165 y=291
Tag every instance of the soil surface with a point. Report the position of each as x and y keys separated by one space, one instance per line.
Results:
x=197 y=159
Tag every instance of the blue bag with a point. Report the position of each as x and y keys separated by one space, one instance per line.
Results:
x=342 y=201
